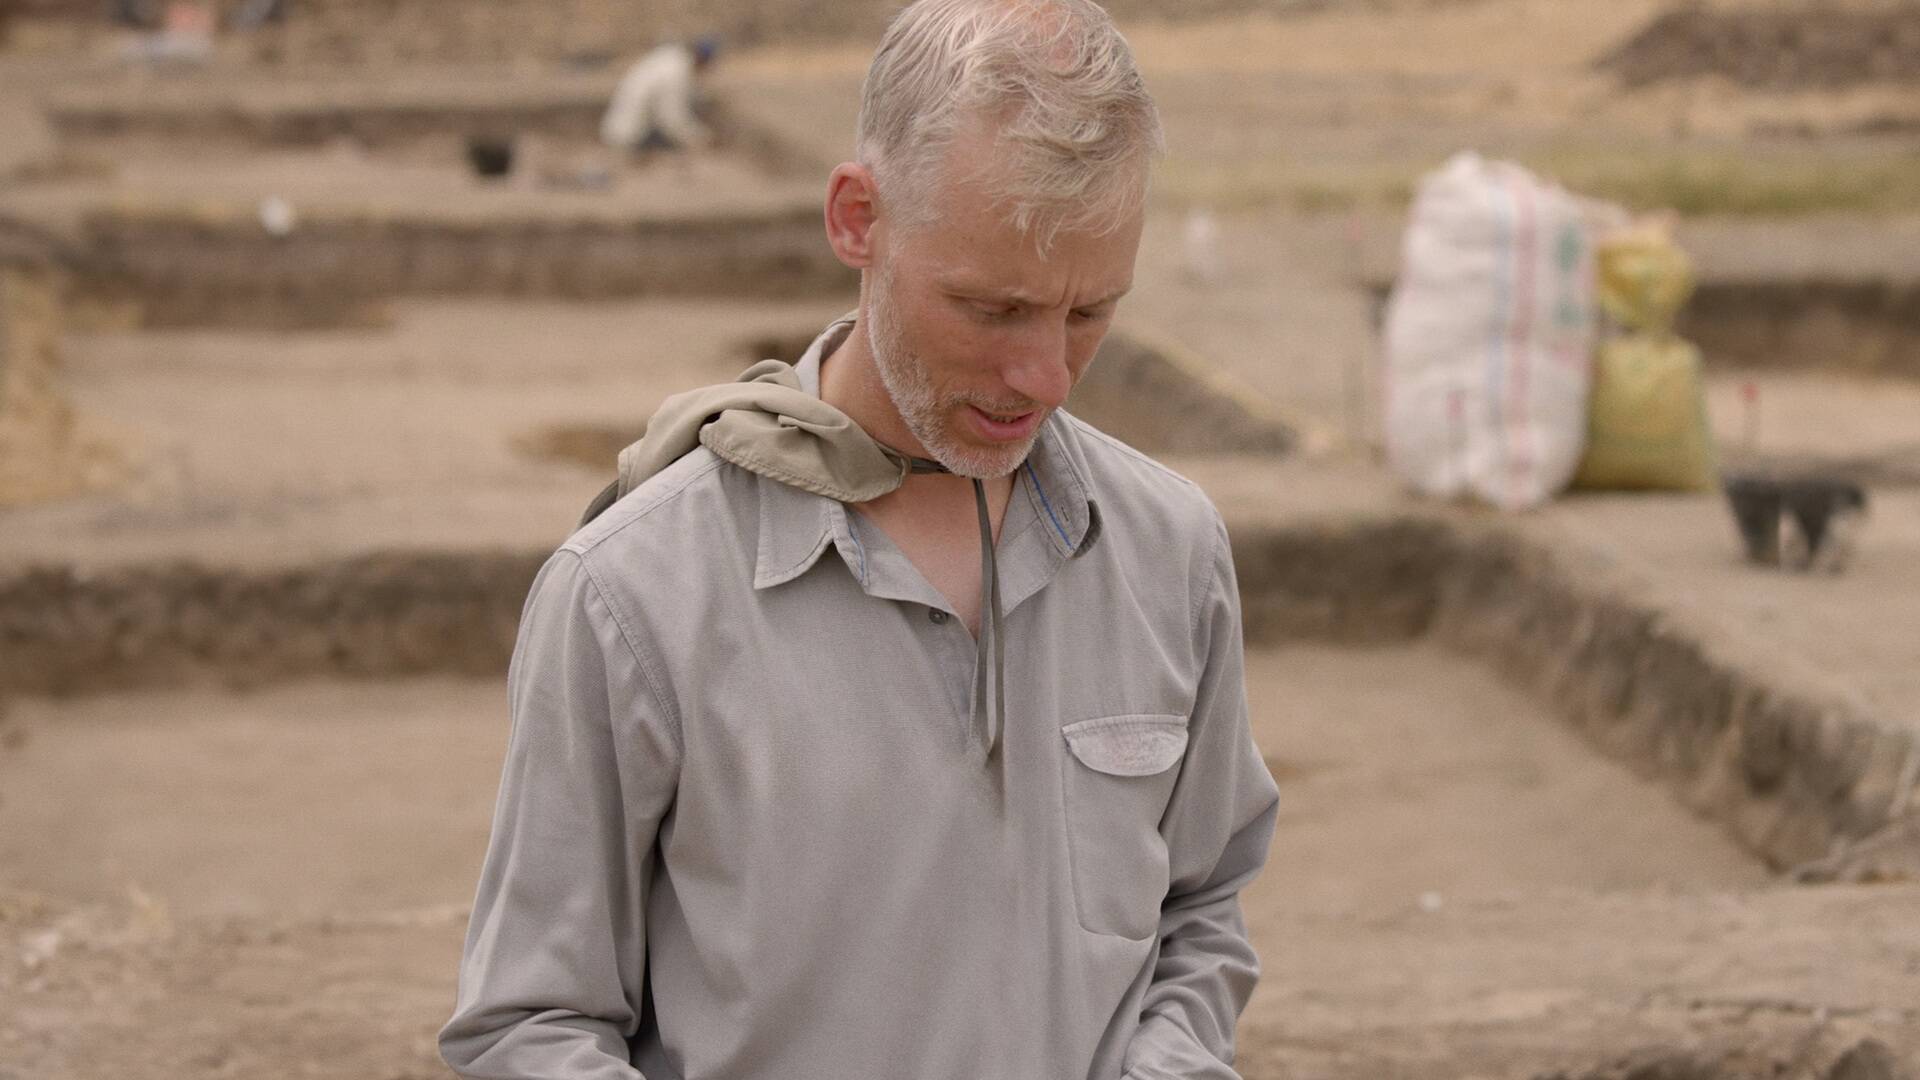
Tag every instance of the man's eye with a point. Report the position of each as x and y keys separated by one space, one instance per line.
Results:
x=996 y=312
x=1087 y=315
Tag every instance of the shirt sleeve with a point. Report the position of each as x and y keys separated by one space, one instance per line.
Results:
x=1218 y=826
x=551 y=977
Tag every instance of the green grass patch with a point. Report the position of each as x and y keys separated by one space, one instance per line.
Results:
x=1724 y=183
x=1693 y=182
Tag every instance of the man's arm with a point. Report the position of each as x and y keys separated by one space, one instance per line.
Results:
x=550 y=983
x=1217 y=827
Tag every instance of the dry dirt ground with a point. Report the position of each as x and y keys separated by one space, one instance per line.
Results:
x=275 y=883
x=195 y=882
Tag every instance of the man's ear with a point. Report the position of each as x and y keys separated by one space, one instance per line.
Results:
x=852 y=211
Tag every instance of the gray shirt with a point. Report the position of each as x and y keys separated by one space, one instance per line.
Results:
x=746 y=830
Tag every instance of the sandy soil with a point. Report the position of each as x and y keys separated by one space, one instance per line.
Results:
x=1453 y=785
x=297 y=862
x=1855 y=636
x=261 y=447
x=1407 y=772
x=296 y=802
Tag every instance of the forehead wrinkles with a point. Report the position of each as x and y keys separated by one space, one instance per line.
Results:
x=1029 y=279
x=1001 y=263
x=976 y=246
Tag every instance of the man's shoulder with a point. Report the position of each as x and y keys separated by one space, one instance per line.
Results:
x=1156 y=527
x=1129 y=485
x=675 y=512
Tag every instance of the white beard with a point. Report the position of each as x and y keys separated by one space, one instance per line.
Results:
x=928 y=416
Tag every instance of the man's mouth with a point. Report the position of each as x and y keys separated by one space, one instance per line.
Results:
x=1004 y=426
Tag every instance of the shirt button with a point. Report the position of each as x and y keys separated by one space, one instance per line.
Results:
x=936 y=615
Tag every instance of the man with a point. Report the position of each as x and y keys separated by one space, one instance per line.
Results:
x=652 y=107
x=806 y=780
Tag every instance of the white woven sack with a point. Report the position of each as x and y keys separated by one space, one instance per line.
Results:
x=1489 y=336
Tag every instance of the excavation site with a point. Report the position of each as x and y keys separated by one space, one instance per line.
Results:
x=317 y=334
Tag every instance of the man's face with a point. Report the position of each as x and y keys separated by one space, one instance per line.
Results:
x=977 y=336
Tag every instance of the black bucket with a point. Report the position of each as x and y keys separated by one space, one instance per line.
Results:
x=490 y=158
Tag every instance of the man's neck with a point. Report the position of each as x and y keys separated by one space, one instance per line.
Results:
x=850 y=381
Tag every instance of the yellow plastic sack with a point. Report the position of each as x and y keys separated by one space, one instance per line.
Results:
x=1646 y=412
x=1644 y=276
x=1646 y=418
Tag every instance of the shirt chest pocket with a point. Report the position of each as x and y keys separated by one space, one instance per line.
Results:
x=1118 y=775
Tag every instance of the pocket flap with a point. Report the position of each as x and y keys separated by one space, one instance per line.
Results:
x=1128 y=745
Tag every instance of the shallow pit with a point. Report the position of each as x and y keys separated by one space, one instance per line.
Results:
x=300 y=800
x=1795 y=778
x=1413 y=777
x=1410 y=773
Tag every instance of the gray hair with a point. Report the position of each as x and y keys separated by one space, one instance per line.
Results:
x=1054 y=77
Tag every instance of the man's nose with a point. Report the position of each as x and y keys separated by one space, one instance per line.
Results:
x=1037 y=368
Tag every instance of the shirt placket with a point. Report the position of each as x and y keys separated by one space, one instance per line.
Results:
x=886 y=575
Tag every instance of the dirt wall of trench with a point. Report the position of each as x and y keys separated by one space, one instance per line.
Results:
x=1781 y=46
x=68 y=632
x=369 y=124
x=383 y=125
x=1800 y=781
x=182 y=270
x=1866 y=327
x=1863 y=328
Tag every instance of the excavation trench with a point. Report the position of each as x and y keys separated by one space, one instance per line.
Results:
x=165 y=269
x=1792 y=778
x=435 y=124
x=314 y=216
x=1823 y=324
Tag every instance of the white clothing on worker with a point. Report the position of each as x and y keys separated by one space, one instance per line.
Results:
x=656 y=94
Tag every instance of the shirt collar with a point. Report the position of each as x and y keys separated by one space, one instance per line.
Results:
x=797 y=526
x=1055 y=479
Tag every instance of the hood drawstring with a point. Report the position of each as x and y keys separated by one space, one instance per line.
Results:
x=996 y=721
x=991 y=722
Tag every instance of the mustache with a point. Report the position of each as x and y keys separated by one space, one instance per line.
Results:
x=999 y=408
